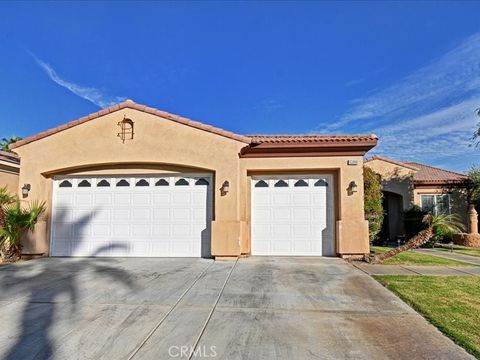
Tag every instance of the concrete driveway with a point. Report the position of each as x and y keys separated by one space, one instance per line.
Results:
x=256 y=308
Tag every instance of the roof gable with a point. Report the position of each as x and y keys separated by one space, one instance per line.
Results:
x=132 y=105
x=426 y=174
x=394 y=162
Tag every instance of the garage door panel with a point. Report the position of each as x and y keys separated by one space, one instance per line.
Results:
x=83 y=199
x=293 y=219
x=141 y=199
x=121 y=214
x=122 y=199
x=102 y=199
x=141 y=214
x=143 y=218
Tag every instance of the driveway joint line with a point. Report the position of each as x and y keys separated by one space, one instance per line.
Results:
x=202 y=330
x=149 y=335
x=461 y=271
x=411 y=270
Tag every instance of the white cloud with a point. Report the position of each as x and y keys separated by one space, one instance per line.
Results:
x=91 y=94
x=433 y=136
x=451 y=76
x=427 y=116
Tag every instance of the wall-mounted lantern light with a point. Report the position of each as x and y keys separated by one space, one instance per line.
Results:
x=126 y=129
x=25 y=189
x=225 y=187
x=352 y=187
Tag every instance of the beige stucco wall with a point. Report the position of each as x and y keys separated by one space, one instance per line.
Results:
x=9 y=177
x=396 y=179
x=161 y=145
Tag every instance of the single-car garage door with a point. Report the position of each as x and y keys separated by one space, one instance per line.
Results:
x=293 y=215
x=132 y=216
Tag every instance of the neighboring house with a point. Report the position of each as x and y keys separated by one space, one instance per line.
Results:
x=9 y=169
x=406 y=184
x=131 y=180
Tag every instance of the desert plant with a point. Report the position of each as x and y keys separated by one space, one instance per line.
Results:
x=434 y=224
x=373 y=199
x=5 y=142
x=5 y=199
x=17 y=220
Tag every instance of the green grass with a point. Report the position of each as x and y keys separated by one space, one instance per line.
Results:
x=451 y=303
x=412 y=258
x=461 y=250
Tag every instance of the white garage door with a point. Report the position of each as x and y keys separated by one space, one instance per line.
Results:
x=132 y=216
x=293 y=215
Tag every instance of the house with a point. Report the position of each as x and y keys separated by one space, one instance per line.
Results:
x=406 y=184
x=131 y=180
x=9 y=169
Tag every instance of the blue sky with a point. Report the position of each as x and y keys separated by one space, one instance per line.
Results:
x=409 y=72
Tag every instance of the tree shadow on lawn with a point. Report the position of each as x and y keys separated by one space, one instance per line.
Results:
x=45 y=289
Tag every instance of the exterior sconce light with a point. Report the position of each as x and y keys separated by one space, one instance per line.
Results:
x=126 y=129
x=352 y=187
x=25 y=189
x=225 y=187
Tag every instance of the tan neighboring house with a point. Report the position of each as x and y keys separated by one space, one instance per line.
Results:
x=9 y=170
x=406 y=184
x=131 y=180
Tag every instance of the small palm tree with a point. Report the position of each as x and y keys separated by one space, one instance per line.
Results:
x=435 y=223
x=5 y=199
x=5 y=142
x=17 y=220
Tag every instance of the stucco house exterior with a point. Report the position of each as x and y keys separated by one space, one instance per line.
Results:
x=406 y=184
x=131 y=180
x=9 y=170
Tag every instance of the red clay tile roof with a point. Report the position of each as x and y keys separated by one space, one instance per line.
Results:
x=132 y=105
x=9 y=157
x=426 y=174
x=321 y=138
x=253 y=139
x=391 y=161
x=430 y=174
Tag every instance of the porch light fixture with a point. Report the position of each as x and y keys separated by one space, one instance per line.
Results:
x=352 y=187
x=25 y=189
x=225 y=187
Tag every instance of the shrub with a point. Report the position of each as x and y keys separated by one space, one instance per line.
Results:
x=413 y=220
x=373 y=201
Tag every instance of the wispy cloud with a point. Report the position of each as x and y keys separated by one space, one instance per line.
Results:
x=91 y=94
x=269 y=105
x=429 y=115
x=354 y=82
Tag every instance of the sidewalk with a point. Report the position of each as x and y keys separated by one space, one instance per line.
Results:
x=416 y=270
x=449 y=255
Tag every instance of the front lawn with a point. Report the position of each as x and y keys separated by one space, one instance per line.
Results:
x=413 y=258
x=461 y=250
x=451 y=303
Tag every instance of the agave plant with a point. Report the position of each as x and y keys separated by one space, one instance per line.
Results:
x=17 y=220
x=435 y=223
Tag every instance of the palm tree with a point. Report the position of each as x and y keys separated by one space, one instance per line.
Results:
x=5 y=199
x=5 y=142
x=18 y=220
x=435 y=223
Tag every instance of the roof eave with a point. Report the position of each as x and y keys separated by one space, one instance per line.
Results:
x=308 y=149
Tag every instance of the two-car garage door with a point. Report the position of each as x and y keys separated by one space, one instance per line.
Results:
x=132 y=216
x=168 y=216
